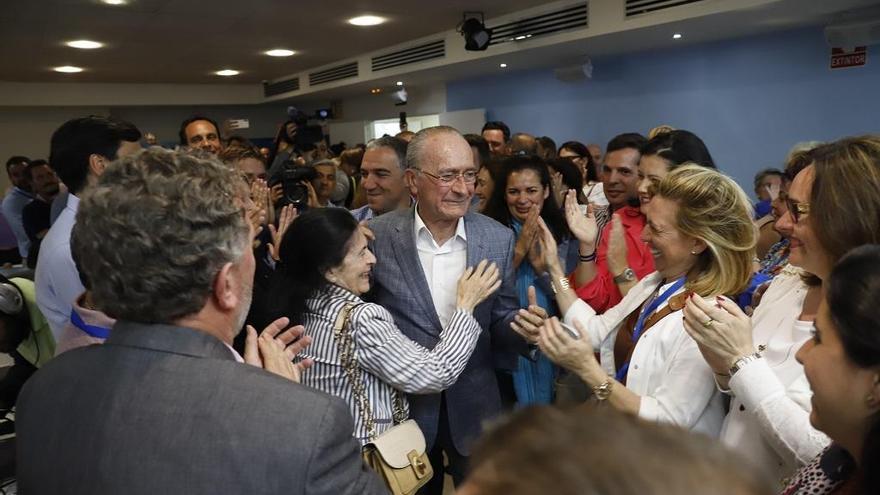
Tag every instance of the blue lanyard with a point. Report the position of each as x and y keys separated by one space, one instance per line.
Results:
x=93 y=330
x=640 y=324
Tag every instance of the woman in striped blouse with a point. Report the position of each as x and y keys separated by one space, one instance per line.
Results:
x=326 y=263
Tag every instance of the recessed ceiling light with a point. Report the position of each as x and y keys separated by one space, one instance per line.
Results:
x=280 y=52
x=400 y=83
x=84 y=44
x=68 y=69
x=676 y=36
x=366 y=20
x=376 y=91
x=227 y=72
x=503 y=66
x=115 y=2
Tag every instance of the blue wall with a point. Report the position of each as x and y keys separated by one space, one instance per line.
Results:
x=749 y=99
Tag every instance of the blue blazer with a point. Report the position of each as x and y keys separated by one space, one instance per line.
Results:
x=399 y=284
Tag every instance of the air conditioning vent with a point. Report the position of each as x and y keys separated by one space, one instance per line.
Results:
x=427 y=51
x=572 y=17
x=333 y=74
x=639 y=7
x=280 y=87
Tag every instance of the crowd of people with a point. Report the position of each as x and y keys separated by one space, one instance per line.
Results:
x=490 y=309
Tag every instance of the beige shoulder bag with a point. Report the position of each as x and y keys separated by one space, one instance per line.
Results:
x=399 y=454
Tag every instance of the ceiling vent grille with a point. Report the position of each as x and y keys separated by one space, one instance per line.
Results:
x=428 y=51
x=638 y=7
x=280 y=87
x=333 y=74
x=572 y=17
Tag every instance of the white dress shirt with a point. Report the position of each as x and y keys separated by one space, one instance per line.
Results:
x=769 y=418
x=666 y=368
x=442 y=264
x=56 y=278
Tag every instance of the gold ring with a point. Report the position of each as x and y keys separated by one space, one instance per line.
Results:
x=709 y=323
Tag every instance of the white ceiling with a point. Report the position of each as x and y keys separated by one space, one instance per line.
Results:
x=184 y=41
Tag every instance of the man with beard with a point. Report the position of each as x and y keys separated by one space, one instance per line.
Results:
x=35 y=215
x=166 y=405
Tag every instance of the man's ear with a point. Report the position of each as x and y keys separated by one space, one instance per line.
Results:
x=97 y=164
x=409 y=178
x=225 y=292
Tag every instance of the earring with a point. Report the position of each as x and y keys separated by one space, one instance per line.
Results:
x=694 y=253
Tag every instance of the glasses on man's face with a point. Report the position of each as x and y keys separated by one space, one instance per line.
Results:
x=796 y=209
x=448 y=178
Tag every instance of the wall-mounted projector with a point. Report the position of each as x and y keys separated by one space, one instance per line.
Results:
x=576 y=72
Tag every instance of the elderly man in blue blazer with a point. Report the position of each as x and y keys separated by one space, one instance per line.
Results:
x=421 y=252
x=166 y=405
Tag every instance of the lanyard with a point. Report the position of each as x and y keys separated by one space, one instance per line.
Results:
x=92 y=330
x=640 y=324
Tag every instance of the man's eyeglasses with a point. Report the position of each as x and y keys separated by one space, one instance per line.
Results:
x=468 y=176
x=796 y=209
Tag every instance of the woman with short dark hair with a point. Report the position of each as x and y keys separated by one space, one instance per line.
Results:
x=325 y=268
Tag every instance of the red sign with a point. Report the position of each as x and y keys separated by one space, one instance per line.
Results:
x=841 y=58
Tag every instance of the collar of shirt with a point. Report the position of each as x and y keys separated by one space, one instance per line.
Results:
x=424 y=238
x=235 y=353
x=630 y=213
x=72 y=202
x=22 y=192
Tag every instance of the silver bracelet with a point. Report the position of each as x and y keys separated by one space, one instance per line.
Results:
x=739 y=363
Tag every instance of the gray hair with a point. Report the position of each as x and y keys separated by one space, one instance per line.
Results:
x=154 y=232
x=322 y=162
x=399 y=146
x=414 y=150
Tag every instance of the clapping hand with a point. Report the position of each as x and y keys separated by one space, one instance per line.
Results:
x=275 y=348
x=572 y=354
x=288 y=215
x=527 y=322
x=617 y=250
x=583 y=227
x=722 y=331
x=528 y=235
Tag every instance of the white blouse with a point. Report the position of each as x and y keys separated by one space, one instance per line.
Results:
x=666 y=369
x=596 y=194
x=769 y=418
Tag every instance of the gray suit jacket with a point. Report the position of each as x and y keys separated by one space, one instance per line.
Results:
x=163 y=409
x=399 y=284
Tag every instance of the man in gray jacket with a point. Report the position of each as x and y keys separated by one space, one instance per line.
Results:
x=420 y=254
x=166 y=405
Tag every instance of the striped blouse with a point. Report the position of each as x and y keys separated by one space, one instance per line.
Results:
x=389 y=359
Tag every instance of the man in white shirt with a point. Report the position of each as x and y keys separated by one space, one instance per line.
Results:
x=80 y=151
x=421 y=252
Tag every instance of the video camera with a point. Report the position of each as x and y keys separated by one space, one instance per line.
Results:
x=295 y=193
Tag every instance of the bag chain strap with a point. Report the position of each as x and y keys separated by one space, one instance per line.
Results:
x=345 y=343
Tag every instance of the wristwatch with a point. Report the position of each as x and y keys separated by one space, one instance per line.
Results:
x=628 y=275
x=603 y=391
